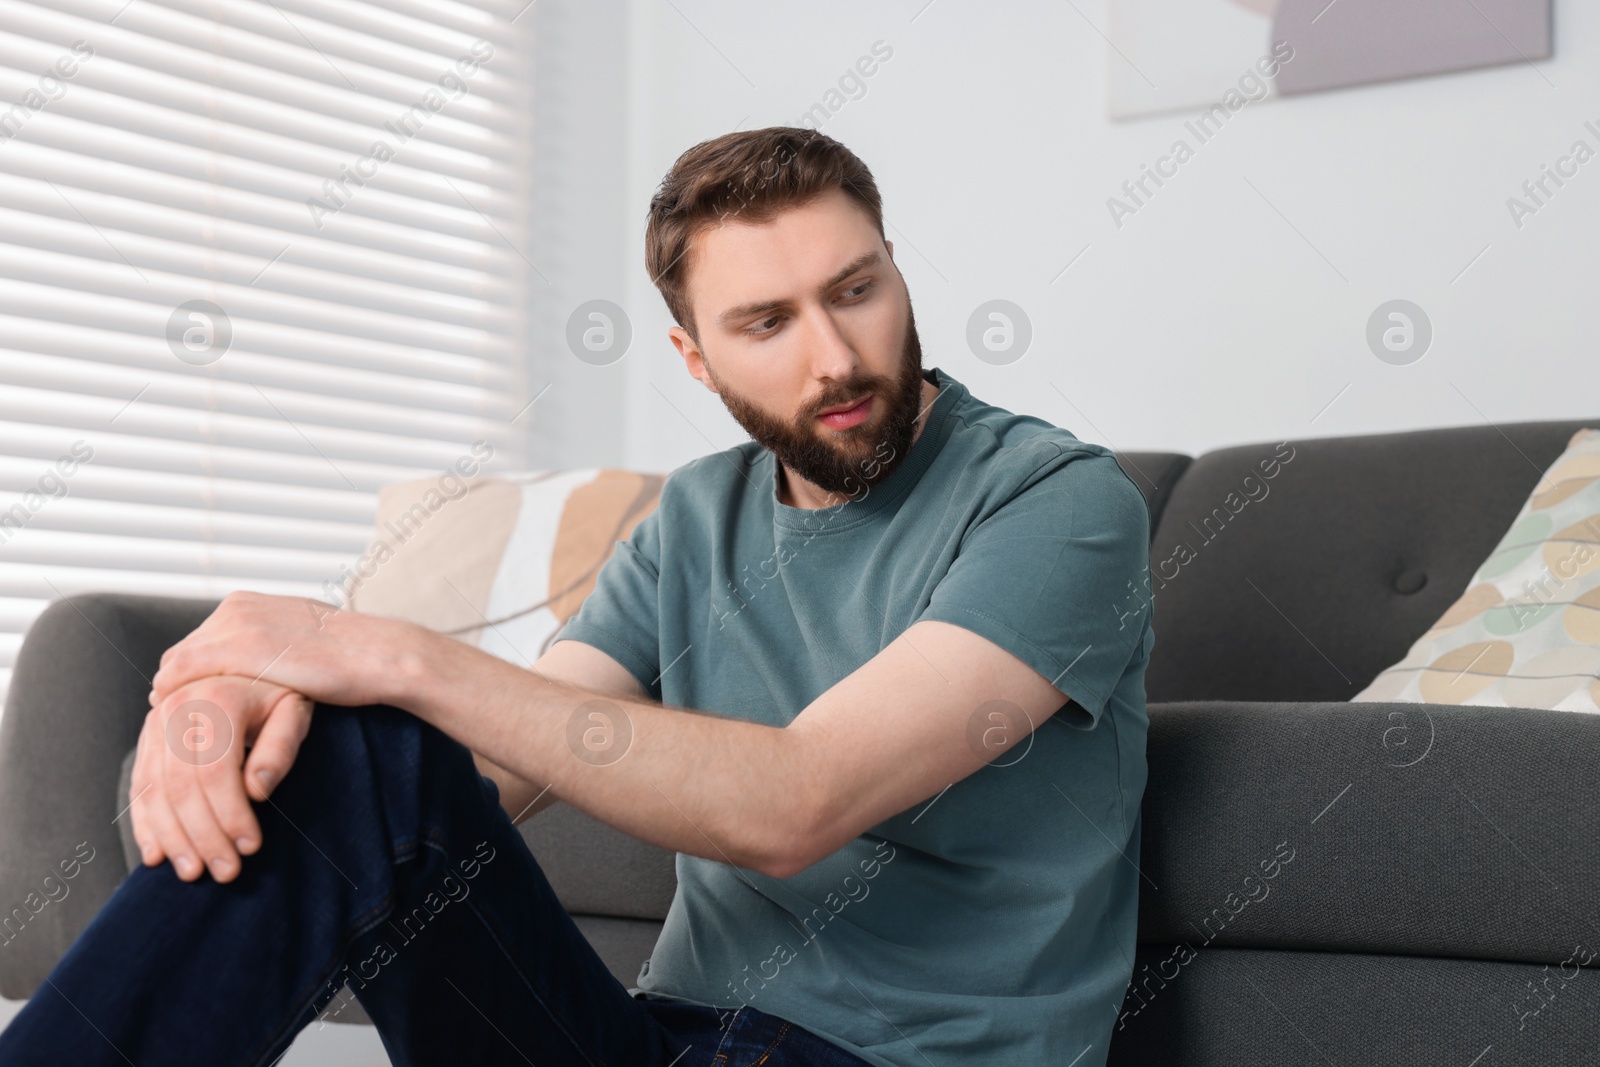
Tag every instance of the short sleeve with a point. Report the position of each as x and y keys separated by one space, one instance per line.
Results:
x=621 y=617
x=1056 y=576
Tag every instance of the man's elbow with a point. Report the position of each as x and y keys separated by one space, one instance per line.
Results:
x=798 y=838
x=784 y=864
x=808 y=816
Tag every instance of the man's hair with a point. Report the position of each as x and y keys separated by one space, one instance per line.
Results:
x=750 y=176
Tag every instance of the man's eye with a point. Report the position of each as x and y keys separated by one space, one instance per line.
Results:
x=762 y=328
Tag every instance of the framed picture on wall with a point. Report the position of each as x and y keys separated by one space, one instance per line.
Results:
x=1170 y=55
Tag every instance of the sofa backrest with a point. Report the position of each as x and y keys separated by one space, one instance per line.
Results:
x=1298 y=571
x=1156 y=474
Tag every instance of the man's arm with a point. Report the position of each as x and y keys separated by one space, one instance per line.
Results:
x=776 y=800
x=897 y=731
x=576 y=664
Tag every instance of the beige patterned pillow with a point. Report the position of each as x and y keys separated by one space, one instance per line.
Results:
x=1526 y=633
x=501 y=562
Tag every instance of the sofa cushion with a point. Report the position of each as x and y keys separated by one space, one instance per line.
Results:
x=596 y=870
x=1412 y=829
x=501 y=562
x=623 y=944
x=1306 y=584
x=1224 y=1007
x=1526 y=633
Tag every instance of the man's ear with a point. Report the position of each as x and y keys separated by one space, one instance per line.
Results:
x=890 y=246
x=692 y=359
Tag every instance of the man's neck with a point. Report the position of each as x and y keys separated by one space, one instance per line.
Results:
x=796 y=492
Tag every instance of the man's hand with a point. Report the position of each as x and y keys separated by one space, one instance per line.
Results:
x=337 y=657
x=192 y=781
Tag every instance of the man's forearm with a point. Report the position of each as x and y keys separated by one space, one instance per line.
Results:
x=723 y=789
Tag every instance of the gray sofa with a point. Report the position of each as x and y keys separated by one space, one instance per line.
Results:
x=1324 y=882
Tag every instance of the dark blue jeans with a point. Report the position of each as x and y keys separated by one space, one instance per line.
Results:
x=388 y=870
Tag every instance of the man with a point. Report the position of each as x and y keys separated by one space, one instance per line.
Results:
x=876 y=676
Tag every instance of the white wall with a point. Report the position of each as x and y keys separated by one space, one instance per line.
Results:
x=1206 y=320
x=579 y=215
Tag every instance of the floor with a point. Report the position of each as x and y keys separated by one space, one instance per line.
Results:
x=328 y=1045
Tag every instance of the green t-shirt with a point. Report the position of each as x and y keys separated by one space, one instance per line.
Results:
x=994 y=927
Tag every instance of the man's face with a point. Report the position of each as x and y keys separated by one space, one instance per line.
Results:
x=803 y=315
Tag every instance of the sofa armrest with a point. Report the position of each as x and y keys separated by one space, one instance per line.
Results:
x=77 y=700
x=1417 y=829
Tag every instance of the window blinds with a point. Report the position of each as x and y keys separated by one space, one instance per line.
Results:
x=257 y=259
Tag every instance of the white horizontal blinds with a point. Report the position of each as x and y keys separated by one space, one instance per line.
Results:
x=257 y=259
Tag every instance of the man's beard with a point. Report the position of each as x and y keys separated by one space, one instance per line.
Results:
x=852 y=460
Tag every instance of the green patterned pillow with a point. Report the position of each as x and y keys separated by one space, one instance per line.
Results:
x=1526 y=633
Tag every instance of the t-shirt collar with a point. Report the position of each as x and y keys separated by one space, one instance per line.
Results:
x=848 y=513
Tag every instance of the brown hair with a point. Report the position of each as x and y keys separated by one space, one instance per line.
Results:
x=751 y=175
